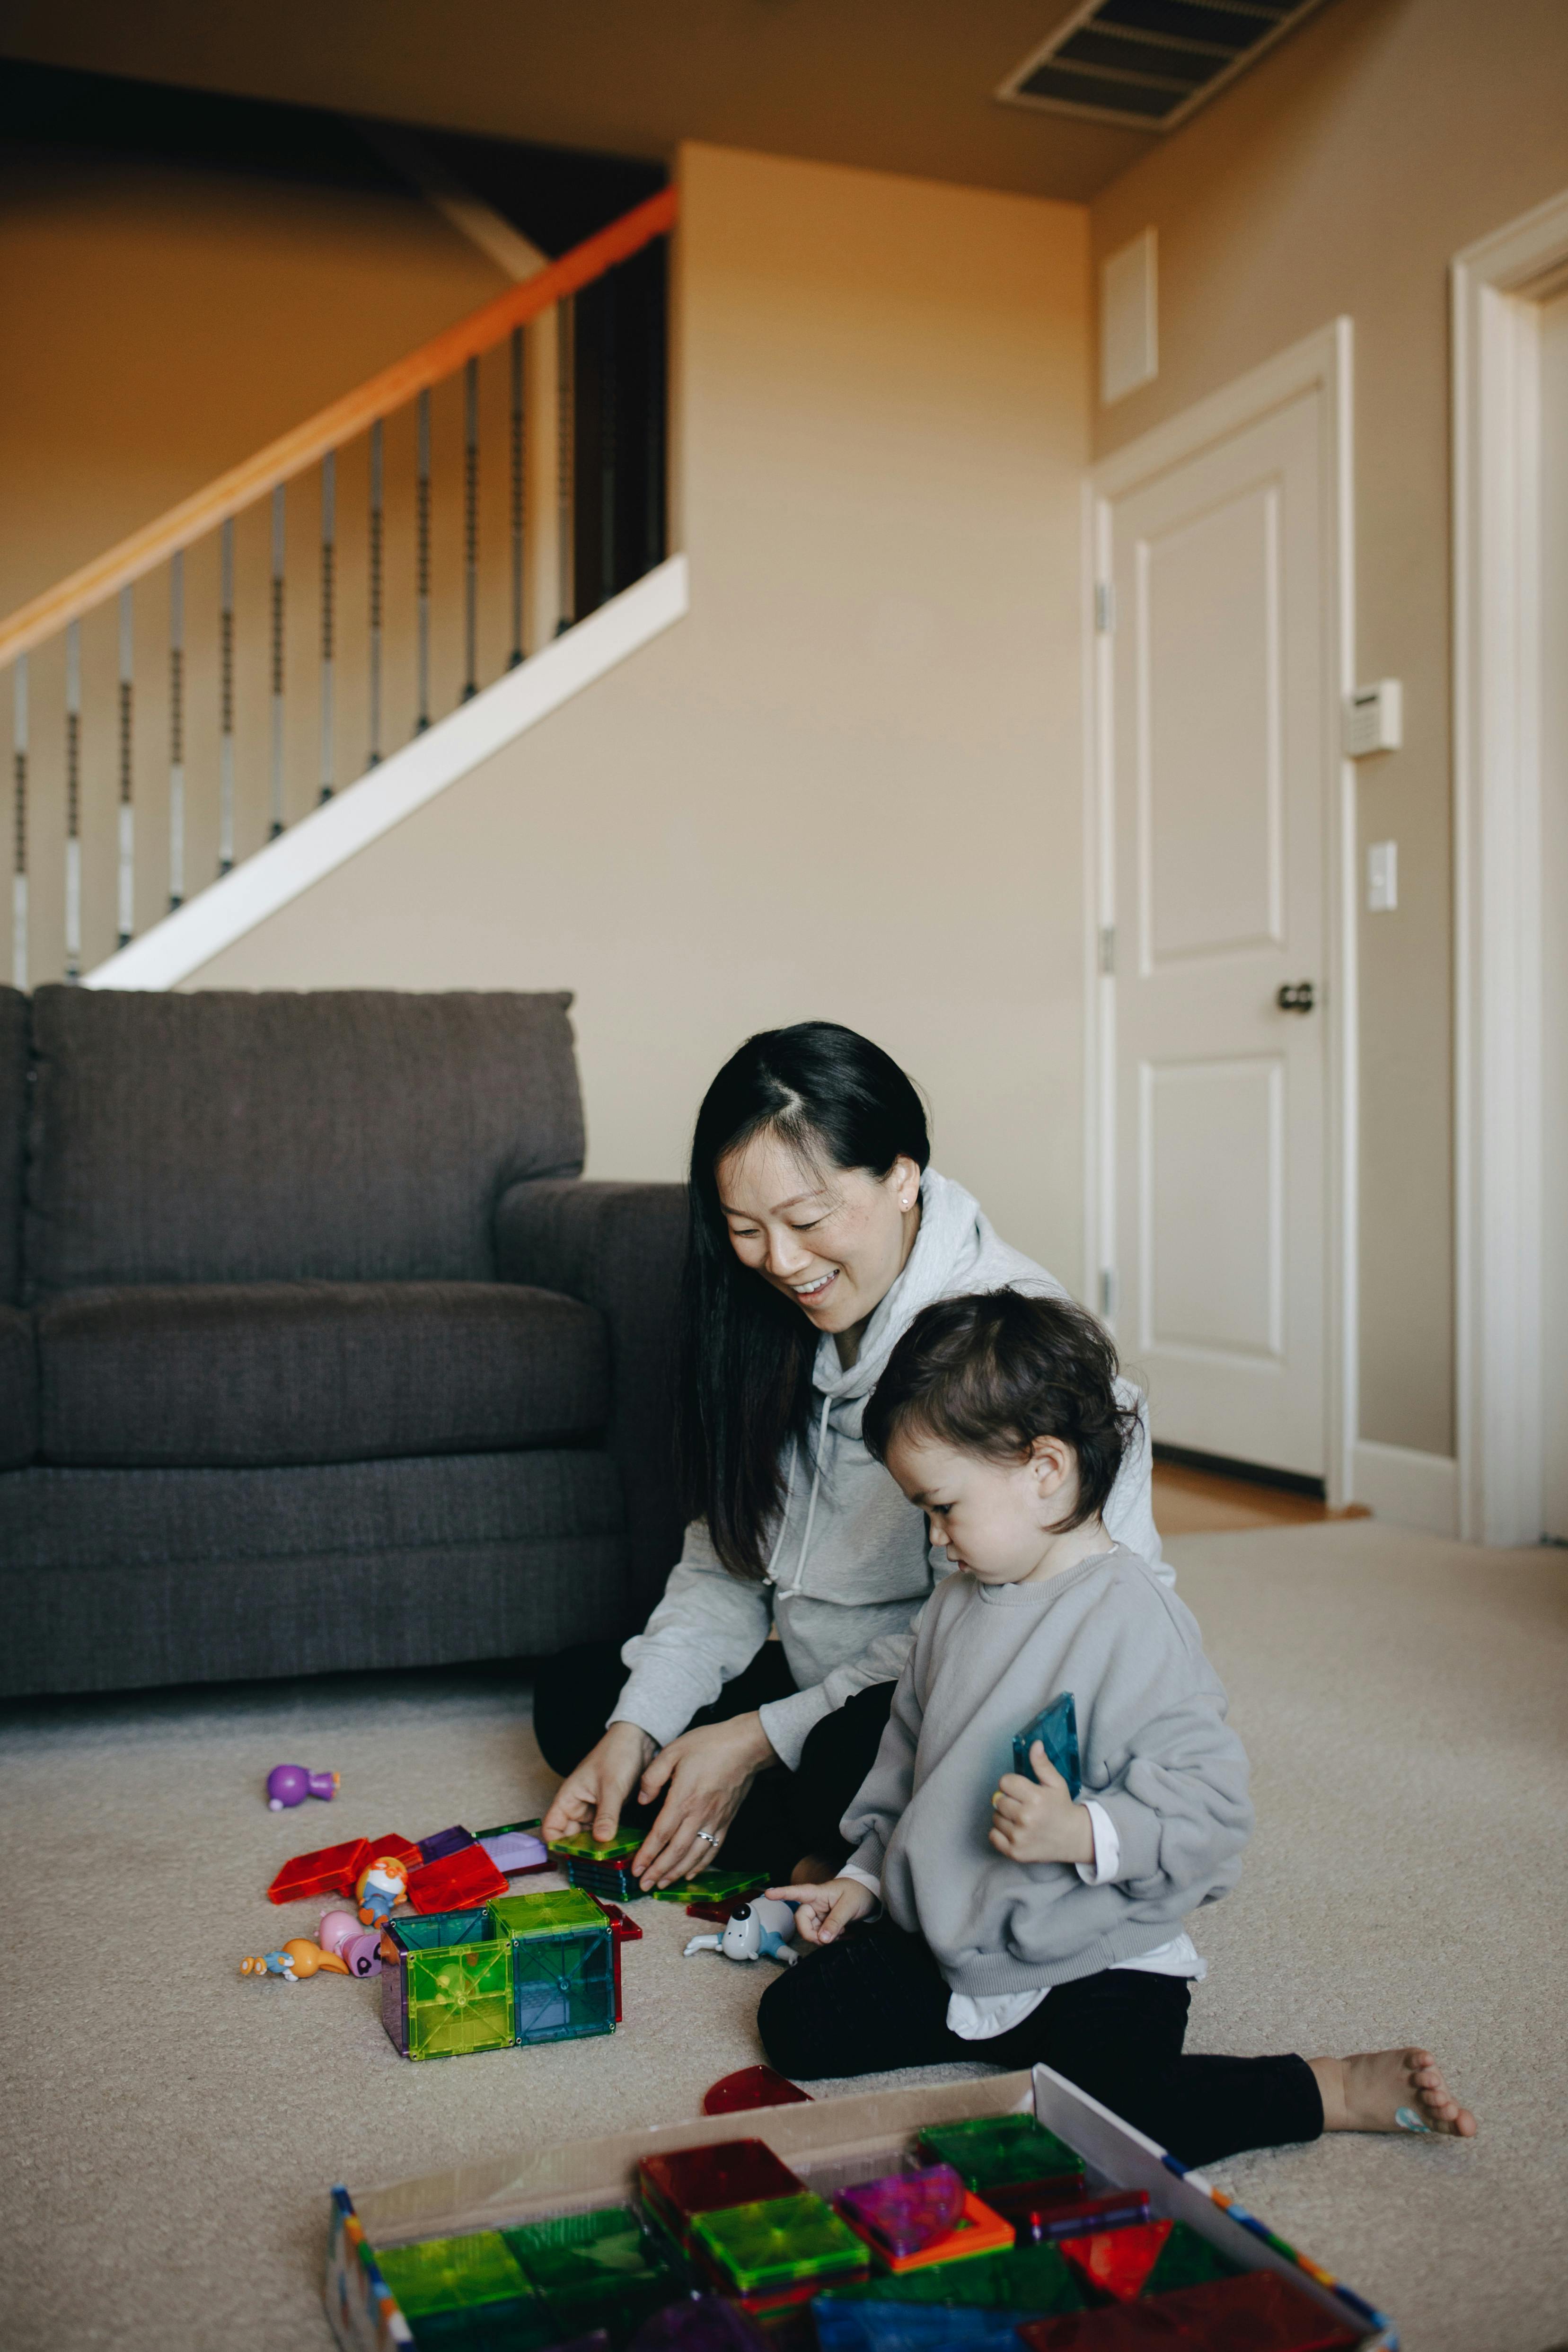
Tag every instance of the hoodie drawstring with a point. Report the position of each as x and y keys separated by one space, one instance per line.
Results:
x=811 y=1507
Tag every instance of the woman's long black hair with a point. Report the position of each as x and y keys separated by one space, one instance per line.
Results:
x=746 y=1352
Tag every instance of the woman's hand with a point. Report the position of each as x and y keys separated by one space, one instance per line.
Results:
x=827 y=1910
x=705 y=1775
x=1036 y=1820
x=593 y=1795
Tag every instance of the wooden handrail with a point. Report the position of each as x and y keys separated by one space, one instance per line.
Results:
x=203 y=511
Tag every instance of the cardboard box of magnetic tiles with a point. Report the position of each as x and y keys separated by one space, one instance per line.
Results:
x=779 y=2231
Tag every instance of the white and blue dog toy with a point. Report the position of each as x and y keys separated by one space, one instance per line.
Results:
x=762 y=1929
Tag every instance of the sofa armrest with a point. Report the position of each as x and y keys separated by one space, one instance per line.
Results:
x=620 y=1248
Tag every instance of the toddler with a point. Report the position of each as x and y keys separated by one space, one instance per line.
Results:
x=1020 y=1925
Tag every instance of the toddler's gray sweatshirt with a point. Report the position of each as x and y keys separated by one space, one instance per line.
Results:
x=1156 y=1750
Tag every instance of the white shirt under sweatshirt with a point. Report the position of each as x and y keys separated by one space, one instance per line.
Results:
x=851 y=1569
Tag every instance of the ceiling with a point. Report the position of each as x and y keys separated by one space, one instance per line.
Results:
x=893 y=85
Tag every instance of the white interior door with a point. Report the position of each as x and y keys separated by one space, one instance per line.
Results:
x=1555 y=912
x=1219 y=684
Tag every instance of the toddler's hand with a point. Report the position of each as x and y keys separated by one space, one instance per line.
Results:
x=1036 y=1820
x=826 y=1911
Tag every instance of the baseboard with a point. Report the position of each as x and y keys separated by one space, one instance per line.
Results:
x=1415 y=1490
x=404 y=781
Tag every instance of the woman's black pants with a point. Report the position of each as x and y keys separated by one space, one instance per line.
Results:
x=878 y=2000
x=785 y=1815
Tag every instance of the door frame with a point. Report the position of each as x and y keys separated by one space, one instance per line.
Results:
x=1498 y=979
x=1319 y=362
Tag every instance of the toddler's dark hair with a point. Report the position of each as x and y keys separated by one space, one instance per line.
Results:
x=990 y=1373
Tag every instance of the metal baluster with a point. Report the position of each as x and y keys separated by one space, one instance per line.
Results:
x=19 y=820
x=608 y=424
x=470 y=530
x=329 y=550
x=566 y=447
x=376 y=530
x=73 y=801
x=176 y=730
x=517 y=498
x=279 y=520
x=126 y=818
x=422 y=562
x=226 y=704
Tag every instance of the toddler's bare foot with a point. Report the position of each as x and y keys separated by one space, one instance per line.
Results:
x=1389 y=2090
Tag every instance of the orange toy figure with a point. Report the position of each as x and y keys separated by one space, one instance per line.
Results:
x=299 y=1958
x=379 y=1887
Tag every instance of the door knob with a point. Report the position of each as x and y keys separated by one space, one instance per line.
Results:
x=1300 y=999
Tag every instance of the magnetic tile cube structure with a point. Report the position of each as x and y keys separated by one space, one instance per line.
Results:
x=783 y=2244
x=690 y=2181
x=524 y=1968
x=996 y=2155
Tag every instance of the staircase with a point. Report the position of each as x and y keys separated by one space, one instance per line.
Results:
x=291 y=660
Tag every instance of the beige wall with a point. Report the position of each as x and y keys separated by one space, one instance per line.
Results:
x=1341 y=176
x=849 y=784
x=162 y=323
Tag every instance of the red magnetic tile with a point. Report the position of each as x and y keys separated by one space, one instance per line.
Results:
x=750 y=2086
x=1118 y=2261
x=1125 y=2327
x=615 y=1961
x=623 y=1927
x=331 y=1870
x=1062 y=2213
x=708 y=2179
x=396 y=1849
x=1258 y=2312
x=455 y=1882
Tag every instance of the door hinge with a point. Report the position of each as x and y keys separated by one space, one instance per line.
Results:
x=1107 y=1292
x=1108 y=948
x=1105 y=606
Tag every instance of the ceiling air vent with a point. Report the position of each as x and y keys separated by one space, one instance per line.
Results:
x=1148 y=63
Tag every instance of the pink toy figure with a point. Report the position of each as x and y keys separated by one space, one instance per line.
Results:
x=337 y=1929
x=361 y=1958
x=290 y=1784
x=379 y=1887
x=298 y=1959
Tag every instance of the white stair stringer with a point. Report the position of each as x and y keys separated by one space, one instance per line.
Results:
x=182 y=942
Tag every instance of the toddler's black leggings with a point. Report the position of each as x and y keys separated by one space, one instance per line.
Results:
x=878 y=2000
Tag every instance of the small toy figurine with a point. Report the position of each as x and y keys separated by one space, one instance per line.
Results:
x=377 y=1889
x=762 y=1929
x=290 y=1784
x=337 y=1929
x=299 y=1958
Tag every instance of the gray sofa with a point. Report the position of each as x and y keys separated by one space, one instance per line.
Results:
x=316 y=1352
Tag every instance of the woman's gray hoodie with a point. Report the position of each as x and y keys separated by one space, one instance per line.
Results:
x=850 y=1569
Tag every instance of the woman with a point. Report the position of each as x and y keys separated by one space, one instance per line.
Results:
x=817 y=1233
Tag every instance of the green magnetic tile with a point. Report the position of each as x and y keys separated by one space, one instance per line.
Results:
x=1035 y=2279
x=441 y=1931
x=546 y=1913
x=605 y=2250
x=625 y=1842
x=779 y=2243
x=712 y=1886
x=459 y=2001
x=509 y=1828
x=1000 y=2149
x=516 y=2326
x=444 y=2274
x=1187 y=2260
x=619 y=2311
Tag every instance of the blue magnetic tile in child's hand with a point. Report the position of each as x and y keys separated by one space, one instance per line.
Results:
x=1056 y=1726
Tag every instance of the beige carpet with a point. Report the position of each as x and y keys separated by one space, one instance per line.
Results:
x=172 y=2130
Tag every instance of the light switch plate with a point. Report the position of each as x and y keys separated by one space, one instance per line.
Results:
x=1381 y=877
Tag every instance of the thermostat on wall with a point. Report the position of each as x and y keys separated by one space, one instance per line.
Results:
x=1374 y=718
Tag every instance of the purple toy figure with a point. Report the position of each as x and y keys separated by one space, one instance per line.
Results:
x=290 y=1784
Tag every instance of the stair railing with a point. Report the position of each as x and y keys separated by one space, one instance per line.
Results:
x=180 y=648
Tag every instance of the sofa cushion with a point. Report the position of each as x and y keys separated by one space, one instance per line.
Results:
x=18 y=1390
x=348 y=1136
x=13 y=1133
x=257 y=1374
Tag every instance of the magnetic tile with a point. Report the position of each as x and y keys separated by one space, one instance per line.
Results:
x=441 y=2274
x=1123 y=2327
x=1067 y=2213
x=452 y=1880
x=330 y=1870
x=752 y=2086
x=1256 y=2311
x=1055 y=1727
x=783 y=2243
x=904 y=2212
x=442 y=1843
x=702 y=2323
x=546 y=1911
x=693 y=2181
x=1118 y=2262
x=1187 y=2259
x=992 y=2150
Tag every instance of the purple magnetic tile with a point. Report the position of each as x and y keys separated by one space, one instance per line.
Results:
x=703 y=2323
x=907 y=2211
x=517 y=1850
x=445 y=1842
